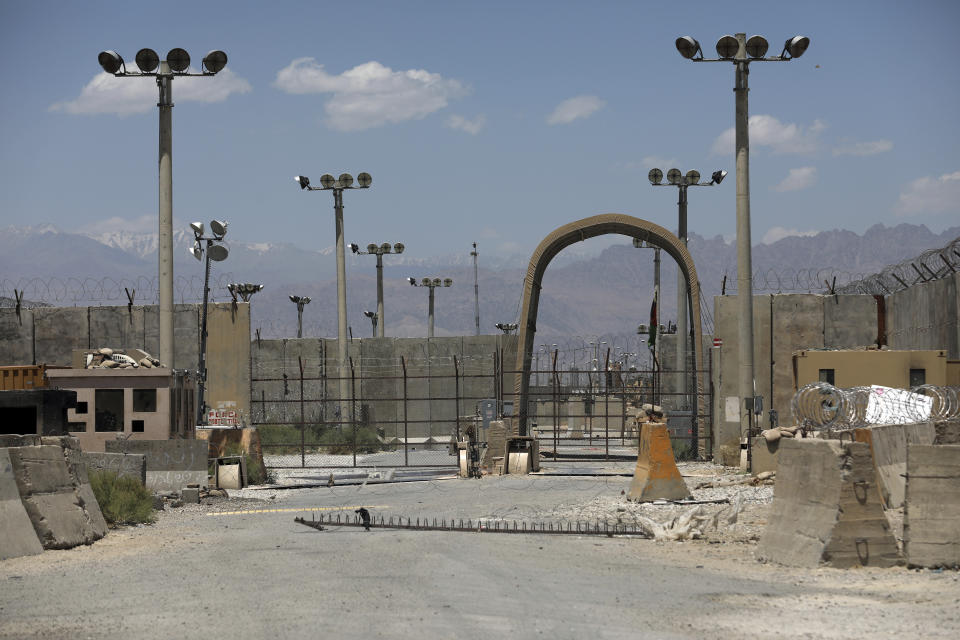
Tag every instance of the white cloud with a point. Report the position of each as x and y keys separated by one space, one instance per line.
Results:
x=800 y=178
x=930 y=195
x=847 y=148
x=106 y=93
x=573 y=108
x=370 y=95
x=779 y=233
x=472 y=127
x=767 y=131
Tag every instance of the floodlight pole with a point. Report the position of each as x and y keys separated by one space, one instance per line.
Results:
x=341 y=301
x=379 y=316
x=202 y=364
x=744 y=257
x=165 y=208
x=476 y=288
x=430 y=314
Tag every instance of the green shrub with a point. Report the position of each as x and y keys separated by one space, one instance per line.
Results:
x=122 y=499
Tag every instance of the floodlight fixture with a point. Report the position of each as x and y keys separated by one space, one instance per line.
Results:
x=364 y=180
x=436 y=282
x=215 y=61
x=718 y=176
x=294 y=298
x=370 y=314
x=147 y=60
x=795 y=47
x=398 y=247
x=426 y=282
x=303 y=181
x=507 y=327
x=328 y=181
x=412 y=281
x=386 y=247
x=110 y=61
x=673 y=176
x=372 y=247
x=757 y=46
x=354 y=248
x=727 y=47
x=345 y=180
x=178 y=60
x=688 y=47
x=655 y=176
x=693 y=176
x=219 y=228
x=217 y=252
x=196 y=251
x=447 y=282
x=197 y=228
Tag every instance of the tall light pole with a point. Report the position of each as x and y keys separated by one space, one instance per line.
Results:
x=337 y=185
x=379 y=251
x=373 y=321
x=675 y=178
x=150 y=65
x=206 y=248
x=431 y=283
x=741 y=52
x=301 y=302
x=653 y=330
x=476 y=288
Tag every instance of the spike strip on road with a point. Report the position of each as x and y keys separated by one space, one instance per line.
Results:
x=480 y=526
x=289 y=509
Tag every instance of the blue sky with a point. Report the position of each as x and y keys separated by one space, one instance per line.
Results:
x=493 y=122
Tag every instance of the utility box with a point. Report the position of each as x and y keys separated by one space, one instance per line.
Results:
x=23 y=378
x=230 y=473
x=522 y=455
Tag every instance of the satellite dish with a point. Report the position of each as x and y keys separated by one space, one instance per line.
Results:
x=364 y=180
x=693 y=177
x=178 y=59
x=215 y=61
x=687 y=46
x=673 y=176
x=147 y=60
x=727 y=47
x=345 y=180
x=757 y=46
x=655 y=176
x=217 y=252
x=110 y=61
x=219 y=227
x=328 y=181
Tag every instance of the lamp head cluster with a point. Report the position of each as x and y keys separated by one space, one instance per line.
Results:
x=370 y=314
x=377 y=249
x=244 y=289
x=216 y=252
x=328 y=182
x=677 y=178
x=300 y=300
x=507 y=327
x=431 y=282
x=147 y=62
x=728 y=48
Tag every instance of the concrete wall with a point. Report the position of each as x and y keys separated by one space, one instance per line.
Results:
x=378 y=380
x=925 y=316
x=171 y=464
x=51 y=334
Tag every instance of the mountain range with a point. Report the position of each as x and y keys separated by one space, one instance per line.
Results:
x=589 y=290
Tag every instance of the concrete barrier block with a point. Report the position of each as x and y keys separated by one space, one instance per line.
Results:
x=171 y=464
x=827 y=508
x=931 y=515
x=888 y=446
x=656 y=476
x=948 y=431
x=63 y=513
x=132 y=465
x=17 y=535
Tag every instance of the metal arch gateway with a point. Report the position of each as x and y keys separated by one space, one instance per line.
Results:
x=578 y=231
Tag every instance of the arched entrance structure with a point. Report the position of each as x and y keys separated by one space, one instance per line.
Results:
x=577 y=232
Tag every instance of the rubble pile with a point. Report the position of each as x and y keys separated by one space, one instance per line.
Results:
x=107 y=358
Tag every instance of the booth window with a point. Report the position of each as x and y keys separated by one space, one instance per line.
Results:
x=826 y=375
x=918 y=377
x=145 y=400
x=108 y=406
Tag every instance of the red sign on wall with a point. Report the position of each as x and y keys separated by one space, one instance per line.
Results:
x=222 y=418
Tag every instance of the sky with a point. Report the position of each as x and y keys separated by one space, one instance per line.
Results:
x=489 y=122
